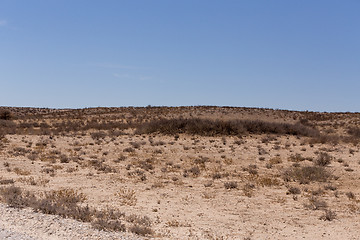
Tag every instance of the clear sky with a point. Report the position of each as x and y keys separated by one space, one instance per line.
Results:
x=289 y=54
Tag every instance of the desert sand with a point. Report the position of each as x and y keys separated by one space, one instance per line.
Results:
x=251 y=184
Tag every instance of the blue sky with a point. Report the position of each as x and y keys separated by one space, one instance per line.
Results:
x=299 y=55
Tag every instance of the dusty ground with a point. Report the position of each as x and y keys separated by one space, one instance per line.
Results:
x=192 y=186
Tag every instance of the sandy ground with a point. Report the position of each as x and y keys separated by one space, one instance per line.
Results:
x=180 y=184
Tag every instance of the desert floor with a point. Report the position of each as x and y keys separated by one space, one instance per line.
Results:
x=260 y=185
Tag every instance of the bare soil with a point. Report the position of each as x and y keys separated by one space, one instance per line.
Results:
x=189 y=186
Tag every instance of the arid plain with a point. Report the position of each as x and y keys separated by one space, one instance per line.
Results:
x=186 y=172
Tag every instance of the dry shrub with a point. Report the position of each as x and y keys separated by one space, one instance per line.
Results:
x=323 y=159
x=6 y=181
x=7 y=127
x=275 y=160
x=66 y=196
x=354 y=131
x=64 y=158
x=147 y=164
x=193 y=172
x=325 y=138
x=33 y=181
x=129 y=150
x=328 y=215
x=141 y=230
x=296 y=158
x=19 y=171
x=98 y=135
x=65 y=202
x=109 y=219
x=315 y=204
x=350 y=195
x=100 y=166
x=208 y=127
x=127 y=197
x=108 y=224
x=136 y=145
x=14 y=197
x=5 y=115
x=141 y=225
x=231 y=185
x=248 y=189
x=293 y=190
x=306 y=174
x=267 y=181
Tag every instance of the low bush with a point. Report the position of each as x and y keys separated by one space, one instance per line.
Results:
x=328 y=215
x=230 y=185
x=354 y=131
x=67 y=203
x=208 y=127
x=306 y=174
x=323 y=159
x=5 y=115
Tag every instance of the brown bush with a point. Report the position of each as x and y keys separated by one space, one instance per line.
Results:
x=141 y=230
x=230 y=185
x=5 y=115
x=323 y=159
x=207 y=127
x=13 y=196
x=354 y=131
x=306 y=174
x=65 y=202
x=328 y=215
x=316 y=204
